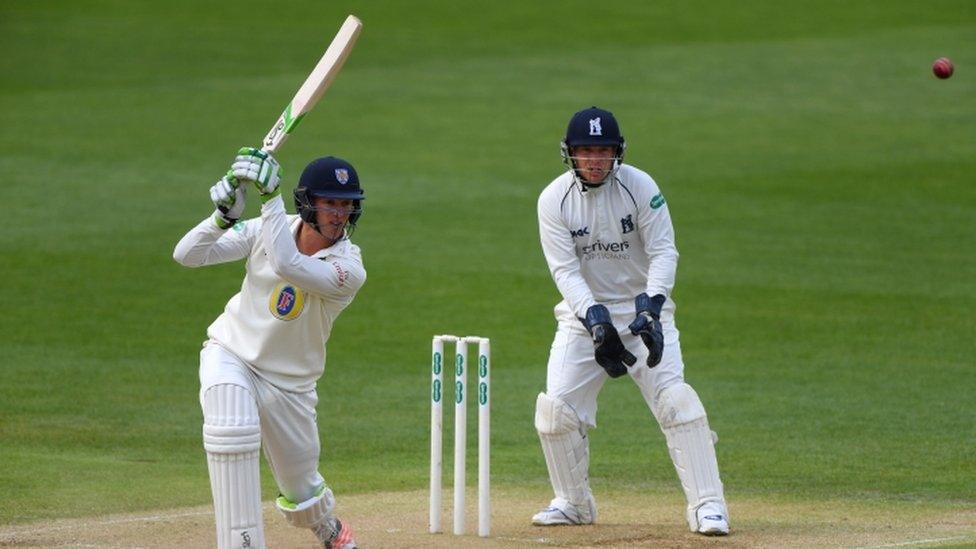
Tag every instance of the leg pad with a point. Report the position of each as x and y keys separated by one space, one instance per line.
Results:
x=692 y=447
x=567 y=453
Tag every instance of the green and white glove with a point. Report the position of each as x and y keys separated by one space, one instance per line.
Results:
x=229 y=196
x=260 y=167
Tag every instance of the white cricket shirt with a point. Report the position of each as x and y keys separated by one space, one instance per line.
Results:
x=608 y=244
x=280 y=321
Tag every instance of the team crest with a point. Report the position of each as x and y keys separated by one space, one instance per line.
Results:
x=595 y=128
x=286 y=302
x=342 y=175
x=627 y=224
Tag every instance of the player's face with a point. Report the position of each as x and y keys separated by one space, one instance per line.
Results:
x=332 y=215
x=594 y=163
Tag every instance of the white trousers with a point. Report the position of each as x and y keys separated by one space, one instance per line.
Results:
x=289 y=434
x=574 y=377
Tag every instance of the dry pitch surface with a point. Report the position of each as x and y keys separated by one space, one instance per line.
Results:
x=400 y=520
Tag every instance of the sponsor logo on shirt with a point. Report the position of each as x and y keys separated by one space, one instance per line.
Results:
x=579 y=232
x=286 y=302
x=341 y=274
x=657 y=201
x=606 y=250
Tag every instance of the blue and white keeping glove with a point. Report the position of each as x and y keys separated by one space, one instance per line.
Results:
x=648 y=326
x=229 y=196
x=260 y=167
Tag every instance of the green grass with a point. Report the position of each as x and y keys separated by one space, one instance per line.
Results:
x=820 y=180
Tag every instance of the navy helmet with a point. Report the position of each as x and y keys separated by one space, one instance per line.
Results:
x=594 y=127
x=328 y=177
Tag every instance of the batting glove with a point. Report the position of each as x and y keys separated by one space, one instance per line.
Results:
x=648 y=326
x=229 y=196
x=260 y=167
x=608 y=350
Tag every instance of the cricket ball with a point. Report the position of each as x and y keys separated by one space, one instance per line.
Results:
x=942 y=67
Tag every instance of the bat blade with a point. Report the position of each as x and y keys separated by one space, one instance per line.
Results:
x=315 y=85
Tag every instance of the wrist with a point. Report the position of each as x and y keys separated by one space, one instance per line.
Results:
x=266 y=197
x=222 y=221
x=650 y=305
x=596 y=314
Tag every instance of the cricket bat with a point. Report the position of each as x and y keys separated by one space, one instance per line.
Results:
x=315 y=85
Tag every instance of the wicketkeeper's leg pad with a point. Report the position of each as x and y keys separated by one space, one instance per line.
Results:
x=311 y=513
x=692 y=447
x=567 y=452
x=232 y=439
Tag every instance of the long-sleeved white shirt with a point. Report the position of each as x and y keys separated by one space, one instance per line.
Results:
x=608 y=244
x=280 y=321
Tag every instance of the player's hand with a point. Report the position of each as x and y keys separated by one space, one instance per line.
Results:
x=229 y=196
x=648 y=326
x=260 y=167
x=609 y=351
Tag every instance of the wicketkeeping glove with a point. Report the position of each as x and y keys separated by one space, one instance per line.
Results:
x=229 y=196
x=609 y=351
x=260 y=167
x=648 y=326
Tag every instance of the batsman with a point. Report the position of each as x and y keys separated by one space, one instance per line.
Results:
x=607 y=236
x=266 y=351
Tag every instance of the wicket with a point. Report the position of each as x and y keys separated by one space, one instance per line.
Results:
x=460 y=430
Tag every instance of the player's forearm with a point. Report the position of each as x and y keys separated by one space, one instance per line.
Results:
x=571 y=285
x=194 y=249
x=661 y=274
x=565 y=269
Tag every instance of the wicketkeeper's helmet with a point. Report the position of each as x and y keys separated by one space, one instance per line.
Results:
x=594 y=127
x=328 y=177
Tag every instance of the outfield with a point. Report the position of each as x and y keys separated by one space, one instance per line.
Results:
x=820 y=179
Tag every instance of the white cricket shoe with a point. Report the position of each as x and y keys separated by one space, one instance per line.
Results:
x=712 y=520
x=563 y=513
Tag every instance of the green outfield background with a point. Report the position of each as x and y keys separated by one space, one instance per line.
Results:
x=820 y=179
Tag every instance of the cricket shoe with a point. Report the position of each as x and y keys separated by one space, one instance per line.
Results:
x=563 y=513
x=336 y=535
x=712 y=520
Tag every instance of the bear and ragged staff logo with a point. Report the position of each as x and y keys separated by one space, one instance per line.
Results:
x=286 y=301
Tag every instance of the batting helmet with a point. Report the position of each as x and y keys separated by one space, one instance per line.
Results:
x=594 y=127
x=328 y=177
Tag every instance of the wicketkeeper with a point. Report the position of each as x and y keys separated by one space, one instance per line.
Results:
x=265 y=352
x=607 y=236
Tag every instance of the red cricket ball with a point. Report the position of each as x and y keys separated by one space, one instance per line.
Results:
x=942 y=67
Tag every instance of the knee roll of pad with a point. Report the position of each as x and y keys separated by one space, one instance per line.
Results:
x=309 y=513
x=677 y=405
x=554 y=417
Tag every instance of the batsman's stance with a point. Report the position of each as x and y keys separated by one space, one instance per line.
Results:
x=265 y=352
x=607 y=236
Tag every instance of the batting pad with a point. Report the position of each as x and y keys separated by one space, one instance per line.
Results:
x=309 y=513
x=566 y=450
x=692 y=448
x=232 y=439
